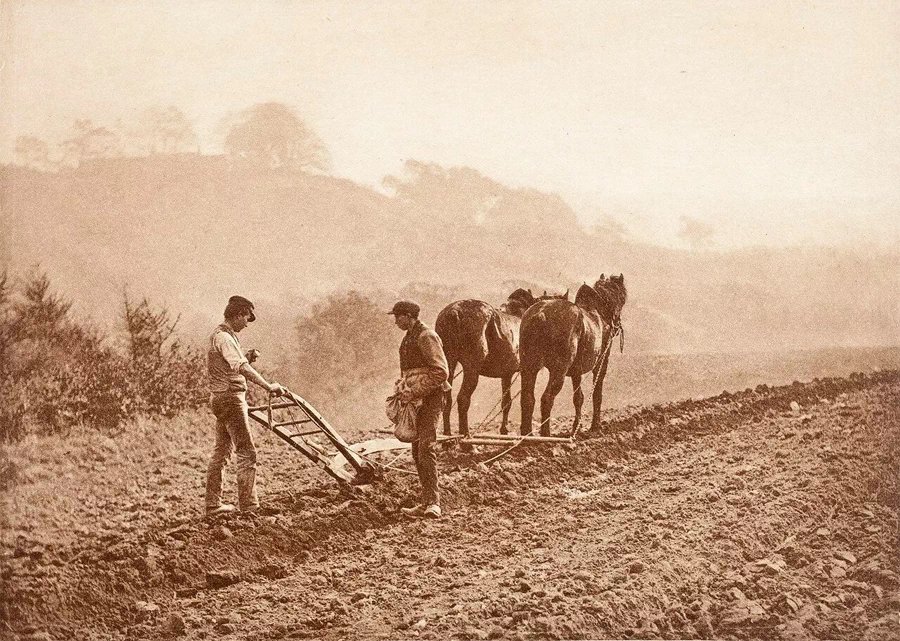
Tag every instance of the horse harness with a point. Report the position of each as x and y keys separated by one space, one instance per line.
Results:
x=617 y=328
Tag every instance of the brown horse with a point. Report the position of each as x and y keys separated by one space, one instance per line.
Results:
x=570 y=339
x=485 y=341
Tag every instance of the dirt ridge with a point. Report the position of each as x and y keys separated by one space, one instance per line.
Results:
x=98 y=585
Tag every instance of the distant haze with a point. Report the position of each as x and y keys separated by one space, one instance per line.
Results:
x=685 y=124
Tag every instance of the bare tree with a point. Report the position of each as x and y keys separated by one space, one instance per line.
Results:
x=273 y=135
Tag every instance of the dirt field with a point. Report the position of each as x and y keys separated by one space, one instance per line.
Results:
x=737 y=516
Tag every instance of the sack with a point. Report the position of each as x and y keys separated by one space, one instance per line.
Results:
x=402 y=415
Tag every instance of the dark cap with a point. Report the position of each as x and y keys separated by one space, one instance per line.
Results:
x=405 y=307
x=237 y=304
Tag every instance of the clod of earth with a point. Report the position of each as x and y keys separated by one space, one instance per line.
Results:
x=730 y=517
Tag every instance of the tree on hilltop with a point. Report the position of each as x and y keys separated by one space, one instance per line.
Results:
x=464 y=198
x=272 y=135
x=167 y=131
x=32 y=152
x=90 y=142
x=458 y=194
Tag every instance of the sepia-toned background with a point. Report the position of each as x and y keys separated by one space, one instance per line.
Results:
x=736 y=162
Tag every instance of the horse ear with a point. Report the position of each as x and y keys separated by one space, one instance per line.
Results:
x=621 y=277
x=567 y=294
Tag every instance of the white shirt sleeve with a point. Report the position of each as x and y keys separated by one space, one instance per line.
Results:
x=230 y=351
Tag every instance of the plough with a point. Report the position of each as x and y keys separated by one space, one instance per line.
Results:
x=296 y=432
x=296 y=421
x=510 y=439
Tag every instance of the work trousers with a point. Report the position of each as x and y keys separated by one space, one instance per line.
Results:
x=232 y=433
x=423 y=447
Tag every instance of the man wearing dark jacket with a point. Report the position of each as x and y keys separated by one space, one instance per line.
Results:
x=424 y=366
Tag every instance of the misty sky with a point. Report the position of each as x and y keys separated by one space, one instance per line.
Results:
x=725 y=123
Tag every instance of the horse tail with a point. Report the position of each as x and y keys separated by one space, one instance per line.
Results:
x=531 y=341
x=447 y=327
x=492 y=331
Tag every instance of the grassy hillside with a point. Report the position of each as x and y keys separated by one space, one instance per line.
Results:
x=187 y=231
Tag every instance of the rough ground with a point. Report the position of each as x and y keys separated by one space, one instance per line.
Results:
x=736 y=516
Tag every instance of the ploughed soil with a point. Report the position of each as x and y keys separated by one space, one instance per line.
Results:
x=766 y=514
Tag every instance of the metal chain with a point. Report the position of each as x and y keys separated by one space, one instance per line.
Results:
x=493 y=413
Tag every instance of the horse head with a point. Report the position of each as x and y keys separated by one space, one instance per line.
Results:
x=517 y=302
x=614 y=294
x=606 y=297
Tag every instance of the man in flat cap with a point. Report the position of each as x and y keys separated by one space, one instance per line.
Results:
x=229 y=370
x=423 y=366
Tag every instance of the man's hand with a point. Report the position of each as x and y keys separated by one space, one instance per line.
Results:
x=252 y=355
x=275 y=389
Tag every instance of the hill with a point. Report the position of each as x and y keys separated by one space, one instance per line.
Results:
x=187 y=231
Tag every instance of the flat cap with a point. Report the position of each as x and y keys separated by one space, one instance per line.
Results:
x=237 y=304
x=405 y=307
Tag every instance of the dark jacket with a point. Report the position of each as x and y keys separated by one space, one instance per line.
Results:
x=421 y=352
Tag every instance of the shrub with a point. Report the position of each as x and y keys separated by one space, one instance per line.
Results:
x=167 y=376
x=344 y=360
x=56 y=372
x=343 y=342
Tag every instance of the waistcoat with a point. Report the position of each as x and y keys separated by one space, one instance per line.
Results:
x=410 y=354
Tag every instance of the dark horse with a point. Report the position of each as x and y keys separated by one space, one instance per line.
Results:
x=485 y=341
x=570 y=339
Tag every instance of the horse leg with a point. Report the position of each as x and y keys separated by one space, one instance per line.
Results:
x=448 y=397
x=527 y=401
x=506 y=383
x=578 y=401
x=557 y=378
x=464 y=398
x=597 y=399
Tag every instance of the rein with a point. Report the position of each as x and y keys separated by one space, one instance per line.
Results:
x=616 y=329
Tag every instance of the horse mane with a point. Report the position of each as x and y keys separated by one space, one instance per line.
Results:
x=613 y=294
x=546 y=296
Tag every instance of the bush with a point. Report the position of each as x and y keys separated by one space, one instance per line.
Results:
x=167 y=377
x=56 y=373
x=344 y=340
x=344 y=359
